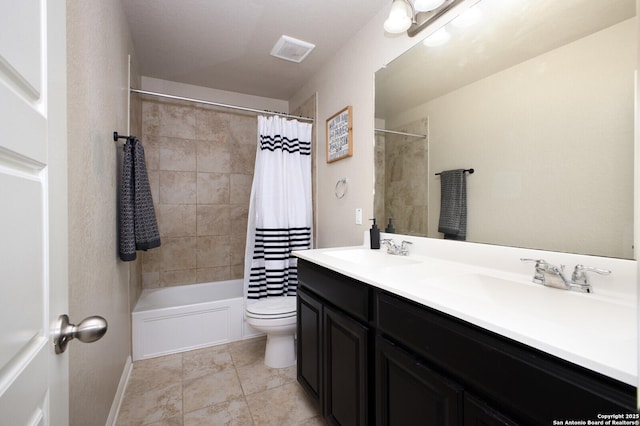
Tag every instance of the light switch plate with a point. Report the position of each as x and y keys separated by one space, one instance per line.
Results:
x=358 y=216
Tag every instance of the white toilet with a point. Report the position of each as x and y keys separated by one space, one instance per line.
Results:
x=276 y=316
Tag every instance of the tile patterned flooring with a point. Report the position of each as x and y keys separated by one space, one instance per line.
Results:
x=221 y=385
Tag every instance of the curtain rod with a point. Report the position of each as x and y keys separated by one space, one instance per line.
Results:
x=200 y=101
x=401 y=133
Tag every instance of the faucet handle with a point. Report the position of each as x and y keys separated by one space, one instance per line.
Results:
x=580 y=273
x=404 y=248
x=538 y=261
x=541 y=266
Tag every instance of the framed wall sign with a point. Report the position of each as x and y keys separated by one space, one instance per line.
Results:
x=340 y=135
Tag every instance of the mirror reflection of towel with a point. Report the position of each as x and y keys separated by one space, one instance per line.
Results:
x=138 y=225
x=453 y=204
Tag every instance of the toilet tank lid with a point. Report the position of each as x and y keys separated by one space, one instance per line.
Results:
x=273 y=306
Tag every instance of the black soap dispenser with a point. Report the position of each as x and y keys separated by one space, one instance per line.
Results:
x=374 y=233
x=390 y=229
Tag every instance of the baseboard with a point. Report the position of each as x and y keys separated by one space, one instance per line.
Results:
x=117 y=399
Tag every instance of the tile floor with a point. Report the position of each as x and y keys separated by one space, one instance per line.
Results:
x=221 y=385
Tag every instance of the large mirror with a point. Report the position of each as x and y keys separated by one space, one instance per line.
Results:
x=538 y=98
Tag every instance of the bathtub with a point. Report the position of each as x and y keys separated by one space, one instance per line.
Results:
x=175 y=319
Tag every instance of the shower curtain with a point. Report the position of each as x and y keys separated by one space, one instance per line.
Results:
x=280 y=214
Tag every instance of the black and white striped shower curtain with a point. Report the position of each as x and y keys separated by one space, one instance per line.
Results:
x=280 y=208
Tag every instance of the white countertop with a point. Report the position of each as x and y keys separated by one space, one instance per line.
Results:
x=597 y=330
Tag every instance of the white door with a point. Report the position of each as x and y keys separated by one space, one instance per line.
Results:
x=33 y=218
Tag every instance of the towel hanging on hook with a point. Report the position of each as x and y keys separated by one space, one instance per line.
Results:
x=138 y=227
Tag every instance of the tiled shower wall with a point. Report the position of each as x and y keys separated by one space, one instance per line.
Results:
x=402 y=175
x=200 y=162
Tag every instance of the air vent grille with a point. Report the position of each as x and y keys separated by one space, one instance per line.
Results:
x=291 y=49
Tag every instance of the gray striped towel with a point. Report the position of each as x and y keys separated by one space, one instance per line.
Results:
x=453 y=205
x=138 y=225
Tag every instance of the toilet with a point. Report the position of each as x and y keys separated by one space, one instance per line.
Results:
x=276 y=317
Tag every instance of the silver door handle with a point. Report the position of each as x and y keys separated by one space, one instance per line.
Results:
x=89 y=330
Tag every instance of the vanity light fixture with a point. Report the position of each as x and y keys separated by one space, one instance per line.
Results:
x=413 y=16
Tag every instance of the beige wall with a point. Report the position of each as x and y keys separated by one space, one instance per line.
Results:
x=348 y=79
x=200 y=164
x=308 y=109
x=99 y=284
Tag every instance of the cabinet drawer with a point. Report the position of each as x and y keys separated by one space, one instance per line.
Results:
x=526 y=384
x=343 y=292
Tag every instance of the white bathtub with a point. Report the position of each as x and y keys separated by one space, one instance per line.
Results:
x=175 y=319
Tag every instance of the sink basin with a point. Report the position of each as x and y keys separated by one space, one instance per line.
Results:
x=370 y=258
x=528 y=300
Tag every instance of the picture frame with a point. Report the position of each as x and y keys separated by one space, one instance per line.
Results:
x=340 y=135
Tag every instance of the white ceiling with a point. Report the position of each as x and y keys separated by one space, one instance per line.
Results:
x=226 y=44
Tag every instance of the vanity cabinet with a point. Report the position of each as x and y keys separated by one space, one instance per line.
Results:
x=333 y=344
x=407 y=390
x=504 y=382
x=367 y=356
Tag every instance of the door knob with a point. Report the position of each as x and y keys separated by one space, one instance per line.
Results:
x=89 y=330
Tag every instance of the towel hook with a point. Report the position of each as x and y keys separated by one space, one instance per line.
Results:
x=116 y=136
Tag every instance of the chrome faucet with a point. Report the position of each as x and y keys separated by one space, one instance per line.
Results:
x=553 y=276
x=393 y=248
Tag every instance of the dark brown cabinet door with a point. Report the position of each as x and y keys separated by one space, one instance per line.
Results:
x=476 y=413
x=346 y=369
x=410 y=393
x=309 y=345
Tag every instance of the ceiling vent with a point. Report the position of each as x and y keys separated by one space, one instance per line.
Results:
x=291 y=49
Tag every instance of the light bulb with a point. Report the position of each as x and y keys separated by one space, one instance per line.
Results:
x=427 y=5
x=398 y=20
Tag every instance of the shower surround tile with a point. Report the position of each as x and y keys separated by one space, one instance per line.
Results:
x=222 y=273
x=177 y=220
x=179 y=277
x=200 y=161
x=213 y=220
x=177 y=154
x=178 y=253
x=177 y=187
x=213 y=251
x=211 y=123
x=240 y=188
x=213 y=188
x=243 y=157
x=214 y=156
